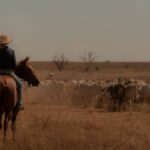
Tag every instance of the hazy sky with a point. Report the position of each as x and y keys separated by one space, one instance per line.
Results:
x=115 y=30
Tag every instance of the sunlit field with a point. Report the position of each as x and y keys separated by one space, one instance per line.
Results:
x=60 y=116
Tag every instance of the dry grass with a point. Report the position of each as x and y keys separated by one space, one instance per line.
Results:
x=61 y=128
x=75 y=70
x=58 y=119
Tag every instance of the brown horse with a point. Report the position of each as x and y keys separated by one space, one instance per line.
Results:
x=8 y=93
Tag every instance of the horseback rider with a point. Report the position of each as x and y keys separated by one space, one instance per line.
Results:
x=8 y=65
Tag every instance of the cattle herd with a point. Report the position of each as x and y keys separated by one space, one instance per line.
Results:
x=119 y=93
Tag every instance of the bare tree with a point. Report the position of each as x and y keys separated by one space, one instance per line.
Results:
x=88 y=60
x=60 y=61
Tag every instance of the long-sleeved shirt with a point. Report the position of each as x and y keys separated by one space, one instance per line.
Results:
x=7 y=58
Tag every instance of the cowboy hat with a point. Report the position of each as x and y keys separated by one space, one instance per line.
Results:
x=4 y=39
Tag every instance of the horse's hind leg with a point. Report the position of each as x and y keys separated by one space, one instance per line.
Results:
x=7 y=118
x=1 y=113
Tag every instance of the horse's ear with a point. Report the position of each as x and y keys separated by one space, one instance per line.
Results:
x=25 y=61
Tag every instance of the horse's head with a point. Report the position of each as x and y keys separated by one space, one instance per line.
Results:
x=25 y=71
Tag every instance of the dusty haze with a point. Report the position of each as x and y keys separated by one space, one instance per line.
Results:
x=115 y=30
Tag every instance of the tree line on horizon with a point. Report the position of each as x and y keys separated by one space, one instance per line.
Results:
x=60 y=61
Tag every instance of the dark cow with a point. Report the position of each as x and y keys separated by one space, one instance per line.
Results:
x=116 y=93
x=120 y=94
